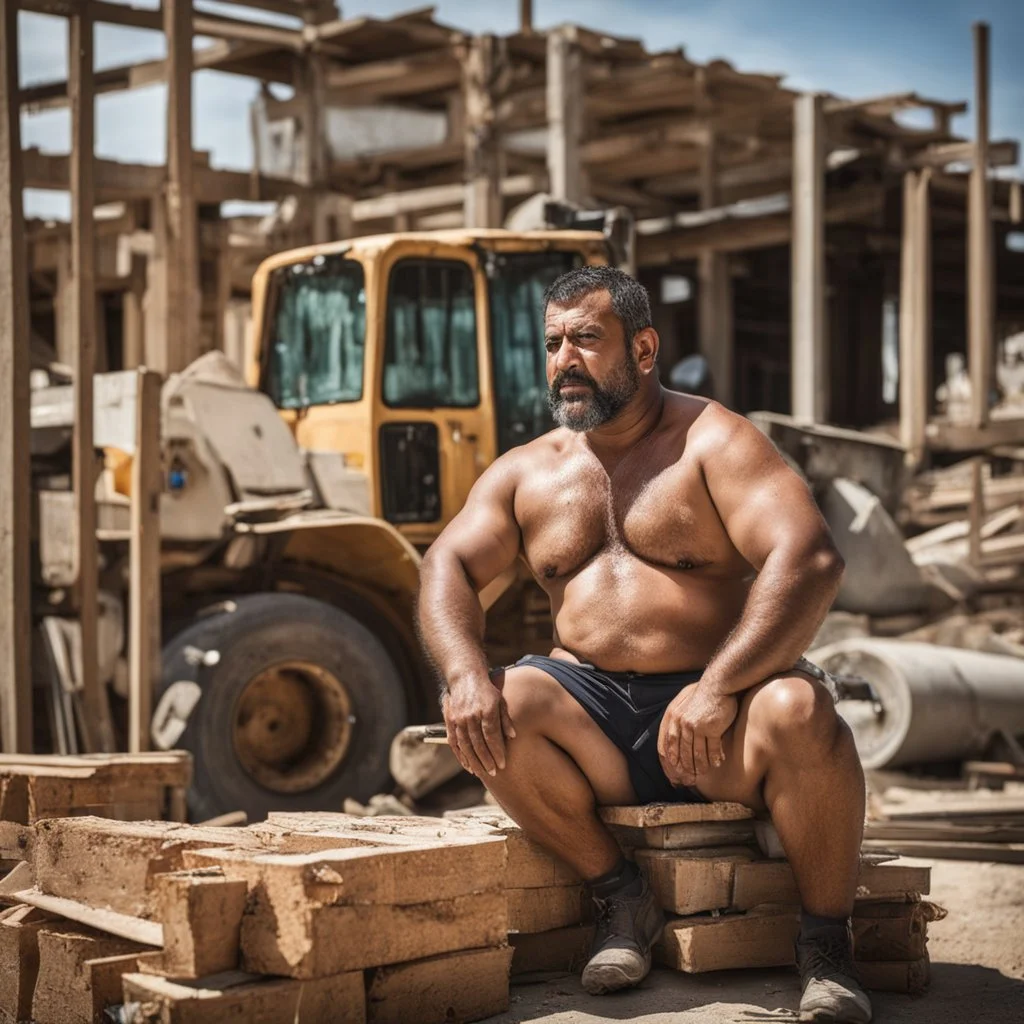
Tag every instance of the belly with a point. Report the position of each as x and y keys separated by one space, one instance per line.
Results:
x=624 y=615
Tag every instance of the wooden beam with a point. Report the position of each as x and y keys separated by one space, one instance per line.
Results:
x=144 y=596
x=15 y=481
x=980 y=255
x=565 y=102
x=1004 y=153
x=526 y=16
x=915 y=333
x=809 y=345
x=97 y=724
x=436 y=197
x=182 y=311
x=482 y=146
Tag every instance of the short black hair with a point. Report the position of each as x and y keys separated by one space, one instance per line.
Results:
x=630 y=301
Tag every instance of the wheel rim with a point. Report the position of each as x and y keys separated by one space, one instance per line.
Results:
x=292 y=726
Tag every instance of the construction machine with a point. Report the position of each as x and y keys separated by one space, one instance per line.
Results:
x=382 y=376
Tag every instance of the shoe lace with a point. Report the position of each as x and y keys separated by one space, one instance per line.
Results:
x=828 y=957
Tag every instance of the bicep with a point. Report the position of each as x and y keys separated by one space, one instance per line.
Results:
x=764 y=505
x=484 y=536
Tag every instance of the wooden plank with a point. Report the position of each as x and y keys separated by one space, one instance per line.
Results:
x=809 y=345
x=15 y=482
x=149 y=933
x=980 y=248
x=144 y=598
x=183 y=338
x=646 y=815
x=481 y=136
x=97 y=726
x=565 y=102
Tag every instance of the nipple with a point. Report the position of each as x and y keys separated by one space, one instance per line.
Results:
x=549 y=572
x=684 y=563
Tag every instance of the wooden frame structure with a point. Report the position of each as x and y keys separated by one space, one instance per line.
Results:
x=715 y=164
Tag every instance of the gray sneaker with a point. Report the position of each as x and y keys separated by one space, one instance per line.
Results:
x=828 y=978
x=627 y=928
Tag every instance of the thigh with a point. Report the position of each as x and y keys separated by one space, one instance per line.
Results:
x=539 y=705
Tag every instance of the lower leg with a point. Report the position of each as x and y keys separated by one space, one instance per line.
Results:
x=817 y=808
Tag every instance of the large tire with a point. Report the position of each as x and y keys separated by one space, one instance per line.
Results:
x=298 y=708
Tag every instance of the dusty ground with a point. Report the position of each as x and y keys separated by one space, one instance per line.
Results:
x=977 y=972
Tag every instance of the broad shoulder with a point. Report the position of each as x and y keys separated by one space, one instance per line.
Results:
x=526 y=460
x=716 y=434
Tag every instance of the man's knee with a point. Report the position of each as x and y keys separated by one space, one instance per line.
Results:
x=795 y=711
x=532 y=697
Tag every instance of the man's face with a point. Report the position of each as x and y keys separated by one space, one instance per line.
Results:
x=592 y=373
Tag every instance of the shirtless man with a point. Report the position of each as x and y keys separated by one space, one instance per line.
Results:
x=688 y=569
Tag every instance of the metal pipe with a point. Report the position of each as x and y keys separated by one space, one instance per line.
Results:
x=938 y=703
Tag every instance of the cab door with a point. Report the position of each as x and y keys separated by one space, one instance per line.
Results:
x=435 y=424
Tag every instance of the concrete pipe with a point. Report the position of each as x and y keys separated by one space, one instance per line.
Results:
x=937 y=703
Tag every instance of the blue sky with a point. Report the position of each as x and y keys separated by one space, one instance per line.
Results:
x=863 y=49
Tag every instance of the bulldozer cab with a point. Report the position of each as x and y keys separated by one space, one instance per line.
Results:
x=418 y=357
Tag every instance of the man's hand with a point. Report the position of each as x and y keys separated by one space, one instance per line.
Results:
x=690 y=739
x=478 y=725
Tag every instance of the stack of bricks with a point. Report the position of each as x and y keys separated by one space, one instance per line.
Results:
x=731 y=906
x=548 y=911
x=303 y=918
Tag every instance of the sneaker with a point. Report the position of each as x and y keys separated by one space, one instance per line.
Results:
x=627 y=928
x=831 y=991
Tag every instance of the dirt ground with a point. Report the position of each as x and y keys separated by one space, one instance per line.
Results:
x=977 y=956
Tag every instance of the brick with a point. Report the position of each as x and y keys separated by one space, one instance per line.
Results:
x=451 y=989
x=773 y=882
x=693 y=881
x=686 y=836
x=201 y=912
x=248 y=1001
x=561 y=949
x=105 y=974
x=15 y=841
x=912 y=978
x=335 y=938
x=64 y=993
x=19 y=961
x=765 y=938
x=111 y=864
x=647 y=815
x=540 y=910
x=391 y=870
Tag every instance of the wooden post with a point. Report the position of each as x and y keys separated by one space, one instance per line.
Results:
x=714 y=312
x=525 y=15
x=915 y=334
x=976 y=512
x=182 y=336
x=565 y=103
x=809 y=369
x=482 y=207
x=15 y=480
x=147 y=485
x=157 y=320
x=98 y=728
x=980 y=263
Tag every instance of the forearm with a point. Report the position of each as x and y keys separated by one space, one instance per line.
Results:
x=785 y=607
x=450 y=620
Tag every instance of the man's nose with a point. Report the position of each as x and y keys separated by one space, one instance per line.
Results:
x=567 y=355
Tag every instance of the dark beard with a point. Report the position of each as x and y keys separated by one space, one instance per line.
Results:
x=603 y=404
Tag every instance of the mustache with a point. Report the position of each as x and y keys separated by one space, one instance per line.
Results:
x=570 y=377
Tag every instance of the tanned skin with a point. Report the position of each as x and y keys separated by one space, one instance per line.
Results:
x=672 y=537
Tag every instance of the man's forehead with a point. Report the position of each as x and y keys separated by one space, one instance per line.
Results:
x=592 y=305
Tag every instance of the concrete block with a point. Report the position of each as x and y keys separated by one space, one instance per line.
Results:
x=561 y=949
x=540 y=910
x=451 y=989
x=19 y=961
x=201 y=912
x=329 y=939
x=64 y=992
x=686 y=836
x=692 y=881
x=647 y=815
x=243 y=999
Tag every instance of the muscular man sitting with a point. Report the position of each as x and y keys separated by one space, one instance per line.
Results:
x=688 y=569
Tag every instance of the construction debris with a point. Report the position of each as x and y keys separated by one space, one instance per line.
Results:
x=388 y=918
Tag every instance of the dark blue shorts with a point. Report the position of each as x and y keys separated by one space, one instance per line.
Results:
x=628 y=707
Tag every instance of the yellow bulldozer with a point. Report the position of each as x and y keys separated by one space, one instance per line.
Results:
x=382 y=376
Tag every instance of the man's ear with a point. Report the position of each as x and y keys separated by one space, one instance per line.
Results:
x=645 y=349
